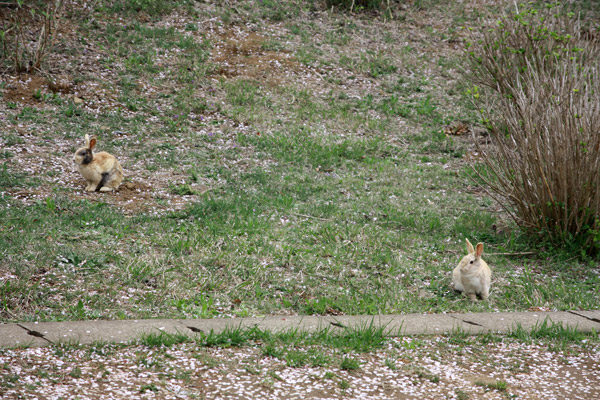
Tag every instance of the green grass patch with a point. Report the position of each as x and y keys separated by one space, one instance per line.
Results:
x=499 y=385
x=318 y=180
x=558 y=336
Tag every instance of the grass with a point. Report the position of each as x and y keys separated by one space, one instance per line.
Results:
x=300 y=348
x=500 y=386
x=558 y=336
x=295 y=348
x=349 y=364
x=341 y=196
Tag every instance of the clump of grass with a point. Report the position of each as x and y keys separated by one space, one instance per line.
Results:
x=556 y=336
x=182 y=190
x=350 y=364
x=499 y=385
x=547 y=330
x=230 y=337
x=162 y=338
x=362 y=338
x=539 y=71
x=150 y=387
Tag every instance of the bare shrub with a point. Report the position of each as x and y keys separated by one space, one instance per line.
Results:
x=537 y=85
x=29 y=32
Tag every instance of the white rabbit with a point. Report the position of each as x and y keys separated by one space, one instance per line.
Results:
x=472 y=276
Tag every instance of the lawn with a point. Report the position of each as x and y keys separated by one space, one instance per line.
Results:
x=280 y=158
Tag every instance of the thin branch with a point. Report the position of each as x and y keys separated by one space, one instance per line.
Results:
x=522 y=253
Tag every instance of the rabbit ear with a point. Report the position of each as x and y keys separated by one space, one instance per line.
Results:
x=92 y=143
x=470 y=248
x=87 y=140
x=479 y=250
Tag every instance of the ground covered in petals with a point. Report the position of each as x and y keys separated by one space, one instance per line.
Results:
x=404 y=368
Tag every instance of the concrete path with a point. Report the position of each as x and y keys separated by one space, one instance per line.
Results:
x=86 y=332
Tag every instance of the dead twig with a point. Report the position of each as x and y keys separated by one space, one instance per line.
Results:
x=509 y=254
x=517 y=254
x=310 y=216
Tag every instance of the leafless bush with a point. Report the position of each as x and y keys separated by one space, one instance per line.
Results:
x=28 y=31
x=537 y=85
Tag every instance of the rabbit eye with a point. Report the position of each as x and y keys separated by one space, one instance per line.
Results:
x=471 y=262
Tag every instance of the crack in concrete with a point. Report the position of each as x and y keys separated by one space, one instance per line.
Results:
x=584 y=316
x=35 y=333
x=471 y=322
x=466 y=321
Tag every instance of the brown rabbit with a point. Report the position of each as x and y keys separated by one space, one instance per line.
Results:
x=472 y=276
x=102 y=171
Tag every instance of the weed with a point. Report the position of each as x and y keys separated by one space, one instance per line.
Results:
x=329 y=375
x=344 y=384
x=163 y=338
x=227 y=338
x=461 y=395
x=272 y=350
x=557 y=335
x=75 y=373
x=390 y=362
x=296 y=358
x=423 y=373
x=182 y=190
x=362 y=338
x=350 y=364
x=149 y=387
x=499 y=385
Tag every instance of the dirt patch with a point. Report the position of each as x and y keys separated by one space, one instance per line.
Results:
x=30 y=89
x=24 y=89
x=131 y=196
x=134 y=197
x=244 y=54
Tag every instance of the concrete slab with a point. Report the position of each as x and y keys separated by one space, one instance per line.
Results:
x=409 y=324
x=86 y=332
x=504 y=322
x=12 y=335
x=273 y=323
x=591 y=315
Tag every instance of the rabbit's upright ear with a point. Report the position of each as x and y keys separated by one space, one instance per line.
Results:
x=479 y=250
x=92 y=143
x=87 y=140
x=470 y=248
